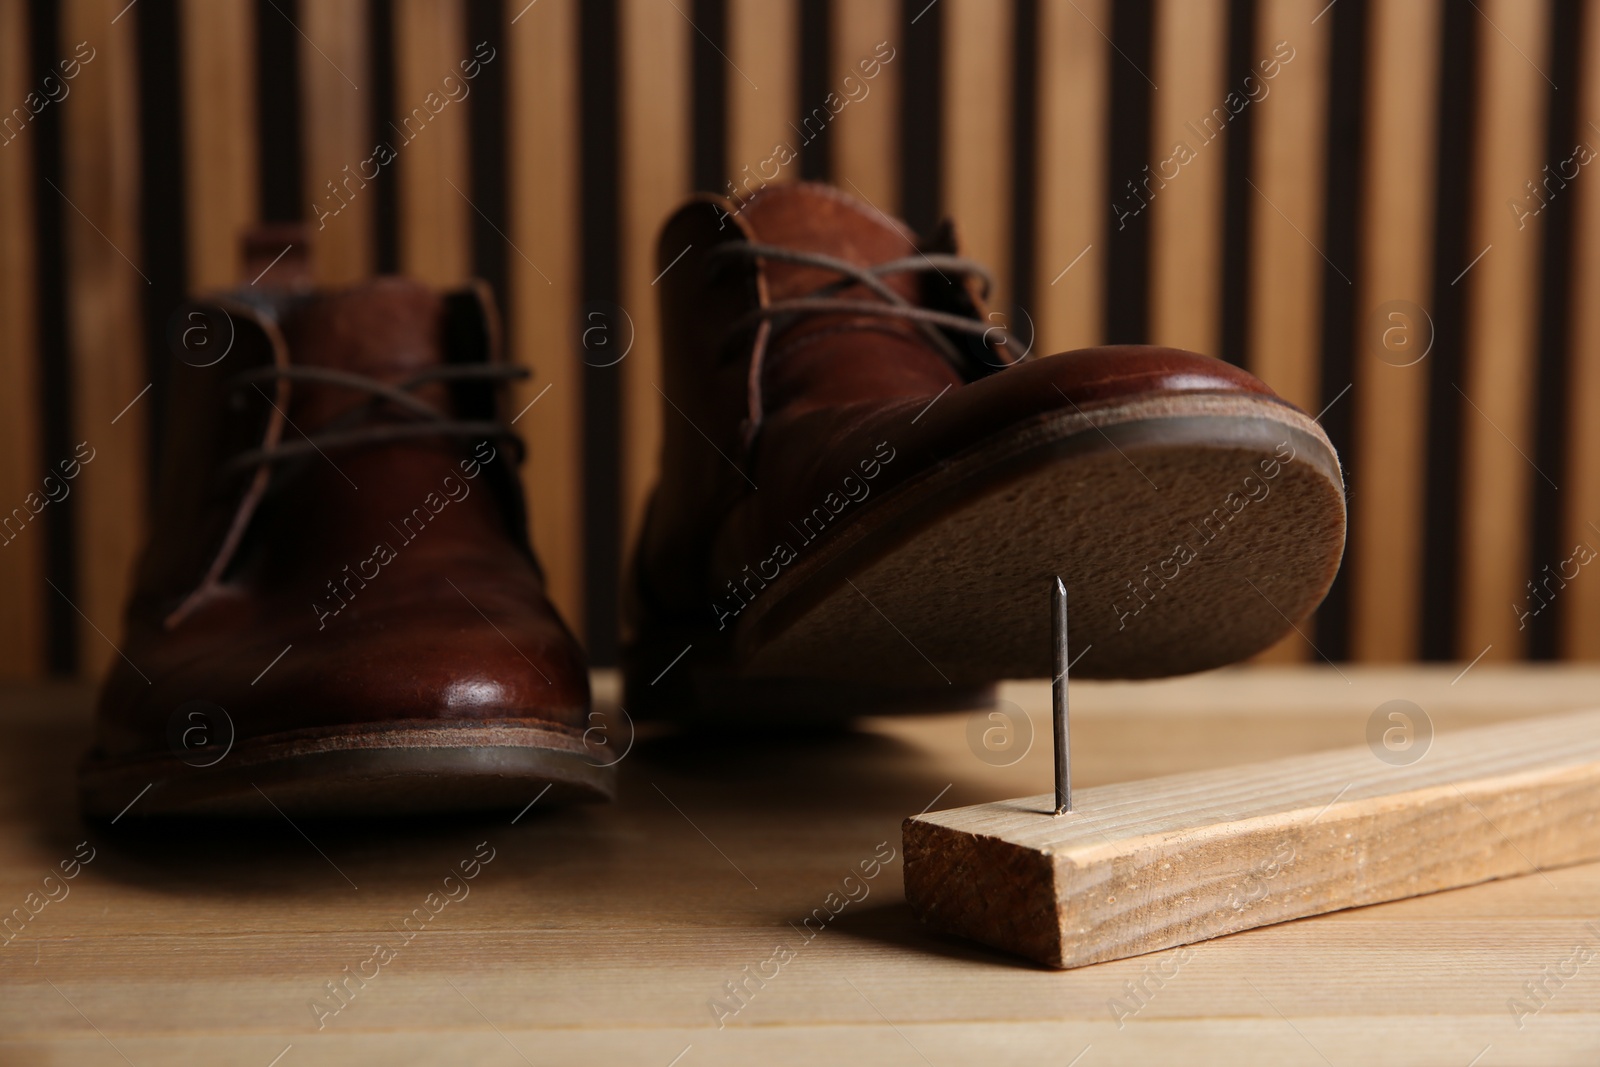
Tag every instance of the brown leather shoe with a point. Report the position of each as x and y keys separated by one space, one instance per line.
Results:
x=865 y=491
x=338 y=610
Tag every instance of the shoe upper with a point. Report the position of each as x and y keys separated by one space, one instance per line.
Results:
x=819 y=406
x=339 y=539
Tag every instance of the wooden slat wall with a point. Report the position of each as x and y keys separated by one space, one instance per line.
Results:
x=1501 y=332
x=977 y=141
x=101 y=165
x=1580 y=610
x=219 y=72
x=338 y=135
x=543 y=119
x=655 y=177
x=1072 y=199
x=1069 y=74
x=1391 y=399
x=21 y=468
x=866 y=163
x=435 y=245
x=1191 y=53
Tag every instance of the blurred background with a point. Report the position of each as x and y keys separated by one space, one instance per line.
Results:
x=1382 y=207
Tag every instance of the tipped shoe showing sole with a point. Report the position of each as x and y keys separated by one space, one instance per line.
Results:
x=866 y=490
x=338 y=612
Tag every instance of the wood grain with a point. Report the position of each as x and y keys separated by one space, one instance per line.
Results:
x=219 y=115
x=1392 y=367
x=1191 y=53
x=1580 y=607
x=601 y=935
x=1151 y=865
x=22 y=610
x=655 y=179
x=1501 y=330
x=1287 y=260
x=977 y=88
x=431 y=142
x=100 y=152
x=763 y=47
x=336 y=110
x=542 y=105
x=866 y=157
x=1073 y=207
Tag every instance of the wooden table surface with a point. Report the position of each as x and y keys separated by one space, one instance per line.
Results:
x=610 y=934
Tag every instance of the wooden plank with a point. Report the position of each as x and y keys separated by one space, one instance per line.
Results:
x=1286 y=257
x=1501 y=330
x=977 y=89
x=219 y=116
x=1191 y=54
x=431 y=141
x=762 y=90
x=22 y=611
x=1394 y=330
x=1145 y=866
x=866 y=139
x=100 y=153
x=1073 y=208
x=338 y=139
x=655 y=179
x=1580 y=605
x=542 y=121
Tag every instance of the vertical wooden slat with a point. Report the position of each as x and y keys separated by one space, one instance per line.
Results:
x=1287 y=262
x=866 y=158
x=335 y=118
x=1502 y=328
x=542 y=108
x=1072 y=203
x=1191 y=57
x=1580 y=603
x=655 y=178
x=101 y=175
x=430 y=42
x=219 y=125
x=977 y=137
x=1390 y=398
x=764 y=46
x=21 y=472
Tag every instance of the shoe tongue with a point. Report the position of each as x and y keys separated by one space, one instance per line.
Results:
x=387 y=330
x=807 y=217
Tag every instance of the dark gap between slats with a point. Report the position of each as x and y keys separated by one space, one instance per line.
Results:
x=1127 y=217
x=1344 y=170
x=602 y=395
x=57 y=438
x=1024 y=164
x=1236 y=213
x=921 y=115
x=709 y=72
x=1547 y=548
x=385 y=194
x=1441 y=530
x=163 y=223
x=281 y=156
x=816 y=44
x=488 y=215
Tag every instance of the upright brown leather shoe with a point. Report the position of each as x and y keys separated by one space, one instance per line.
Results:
x=338 y=611
x=866 y=492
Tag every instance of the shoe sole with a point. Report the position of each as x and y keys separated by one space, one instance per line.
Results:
x=944 y=582
x=361 y=772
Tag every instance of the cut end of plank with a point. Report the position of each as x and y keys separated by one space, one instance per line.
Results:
x=1144 y=866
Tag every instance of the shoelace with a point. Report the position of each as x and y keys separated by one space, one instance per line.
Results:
x=343 y=433
x=434 y=423
x=929 y=323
